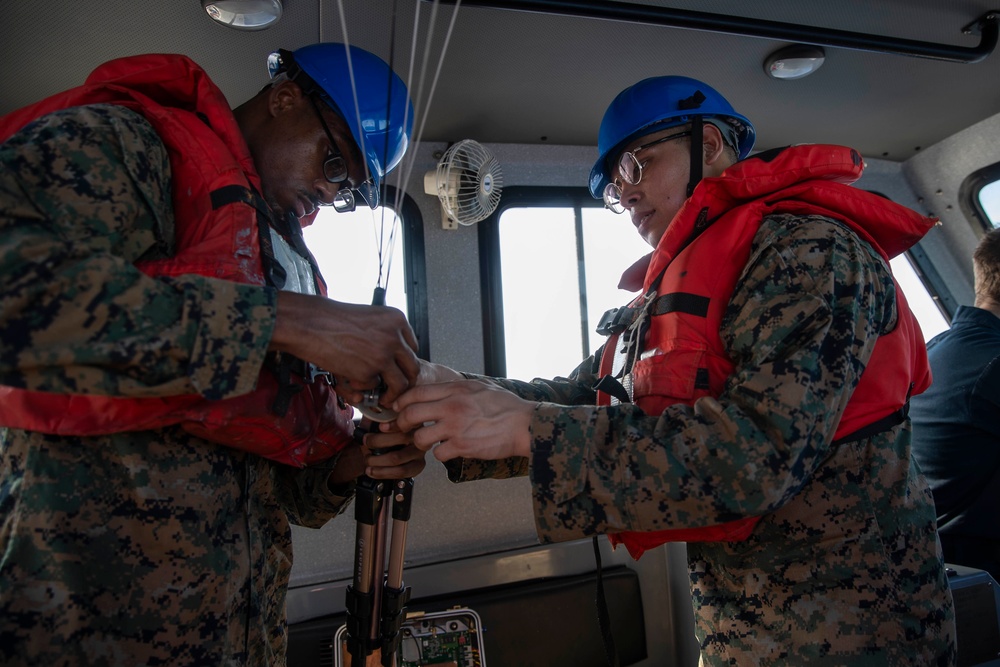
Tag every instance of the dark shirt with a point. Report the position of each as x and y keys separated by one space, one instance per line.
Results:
x=956 y=437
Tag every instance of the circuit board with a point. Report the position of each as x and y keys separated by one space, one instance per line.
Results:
x=450 y=638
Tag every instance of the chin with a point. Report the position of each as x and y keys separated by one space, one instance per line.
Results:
x=277 y=208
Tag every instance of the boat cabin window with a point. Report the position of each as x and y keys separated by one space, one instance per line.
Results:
x=979 y=196
x=350 y=248
x=989 y=200
x=559 y=258
x=929 y=315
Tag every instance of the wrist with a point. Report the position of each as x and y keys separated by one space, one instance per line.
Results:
x=431 y=373
x=293 y=314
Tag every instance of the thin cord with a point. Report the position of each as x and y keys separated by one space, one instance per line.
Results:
x=354 y=87
x=361 y=134
x=409 y=84
x=406 y=170
x=437 y=74
x=385 y=156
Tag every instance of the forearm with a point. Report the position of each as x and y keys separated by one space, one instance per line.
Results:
x=77 y=314
x=95 y=324
x=568 y=391
x=307 y=494
x=577 y=389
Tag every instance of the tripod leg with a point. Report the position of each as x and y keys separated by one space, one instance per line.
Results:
x=378 y=576
x=396 y=595
x=360 y=601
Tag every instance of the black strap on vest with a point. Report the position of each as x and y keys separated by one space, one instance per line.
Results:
x=697 y=153
x=618 y=320
x=274 y=272
x=611 y=386
x=887 y=423
x=291 y=230
x=284 y=366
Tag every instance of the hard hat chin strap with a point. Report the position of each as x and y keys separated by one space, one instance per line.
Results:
x=697 y=153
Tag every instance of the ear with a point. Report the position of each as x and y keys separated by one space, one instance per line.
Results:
x=283 y=97
x=713 y=144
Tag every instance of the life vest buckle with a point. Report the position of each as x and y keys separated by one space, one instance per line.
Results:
x=615 y=321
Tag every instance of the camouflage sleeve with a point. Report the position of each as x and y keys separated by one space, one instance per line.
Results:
x=577 y=389
x=84 y=193
x=800 y=327
x=305 y=494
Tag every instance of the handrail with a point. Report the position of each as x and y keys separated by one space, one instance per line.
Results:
x=987 y=25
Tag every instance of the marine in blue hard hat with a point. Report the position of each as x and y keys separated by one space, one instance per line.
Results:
x=165 y=271
x=365 y=111
x=657 y=104
x=749 y=401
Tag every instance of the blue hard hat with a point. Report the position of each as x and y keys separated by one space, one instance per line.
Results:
x=380 y=116
x=659 y=103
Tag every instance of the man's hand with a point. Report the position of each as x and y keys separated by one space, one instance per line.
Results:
x=369 y=458
x=402 y=461
x=363 y=346
x=434 y=373
x=470 y=418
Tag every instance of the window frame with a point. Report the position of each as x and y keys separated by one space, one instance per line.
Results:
x=490 y=278
x=414 y=268
x=968 y=195
x=414 y=265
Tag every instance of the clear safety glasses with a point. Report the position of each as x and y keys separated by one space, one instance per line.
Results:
x=630 y=170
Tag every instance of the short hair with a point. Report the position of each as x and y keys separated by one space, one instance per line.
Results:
x=986 y=260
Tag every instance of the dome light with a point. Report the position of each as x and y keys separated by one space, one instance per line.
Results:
x=243 y=14
x=794 y=62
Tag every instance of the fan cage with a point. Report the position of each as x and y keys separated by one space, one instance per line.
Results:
x=469 y=181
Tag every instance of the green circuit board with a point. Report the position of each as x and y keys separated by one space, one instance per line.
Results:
x=443 y=639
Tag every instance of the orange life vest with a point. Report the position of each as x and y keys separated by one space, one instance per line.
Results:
x=221 y=224
x=696 y=266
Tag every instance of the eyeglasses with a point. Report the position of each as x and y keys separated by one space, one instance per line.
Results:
x=335 y=170
x=334 y=166
x=630 y=170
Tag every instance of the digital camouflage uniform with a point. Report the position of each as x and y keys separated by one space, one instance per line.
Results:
x=143 y=548
x=844 y=568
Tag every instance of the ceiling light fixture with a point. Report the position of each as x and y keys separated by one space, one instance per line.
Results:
x=243 y=14
x=794 y=62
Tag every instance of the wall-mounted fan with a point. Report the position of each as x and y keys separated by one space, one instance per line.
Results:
x=467 y=181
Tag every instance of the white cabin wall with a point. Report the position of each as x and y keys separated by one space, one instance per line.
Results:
x=936 y=174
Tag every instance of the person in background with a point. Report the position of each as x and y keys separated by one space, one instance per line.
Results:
x=168 y=356
x=751 y=401
x=956 y=422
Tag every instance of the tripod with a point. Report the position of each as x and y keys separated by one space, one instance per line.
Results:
x=377 y=597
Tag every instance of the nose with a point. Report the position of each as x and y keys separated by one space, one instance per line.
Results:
x=630 y=195
x=326 y=191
